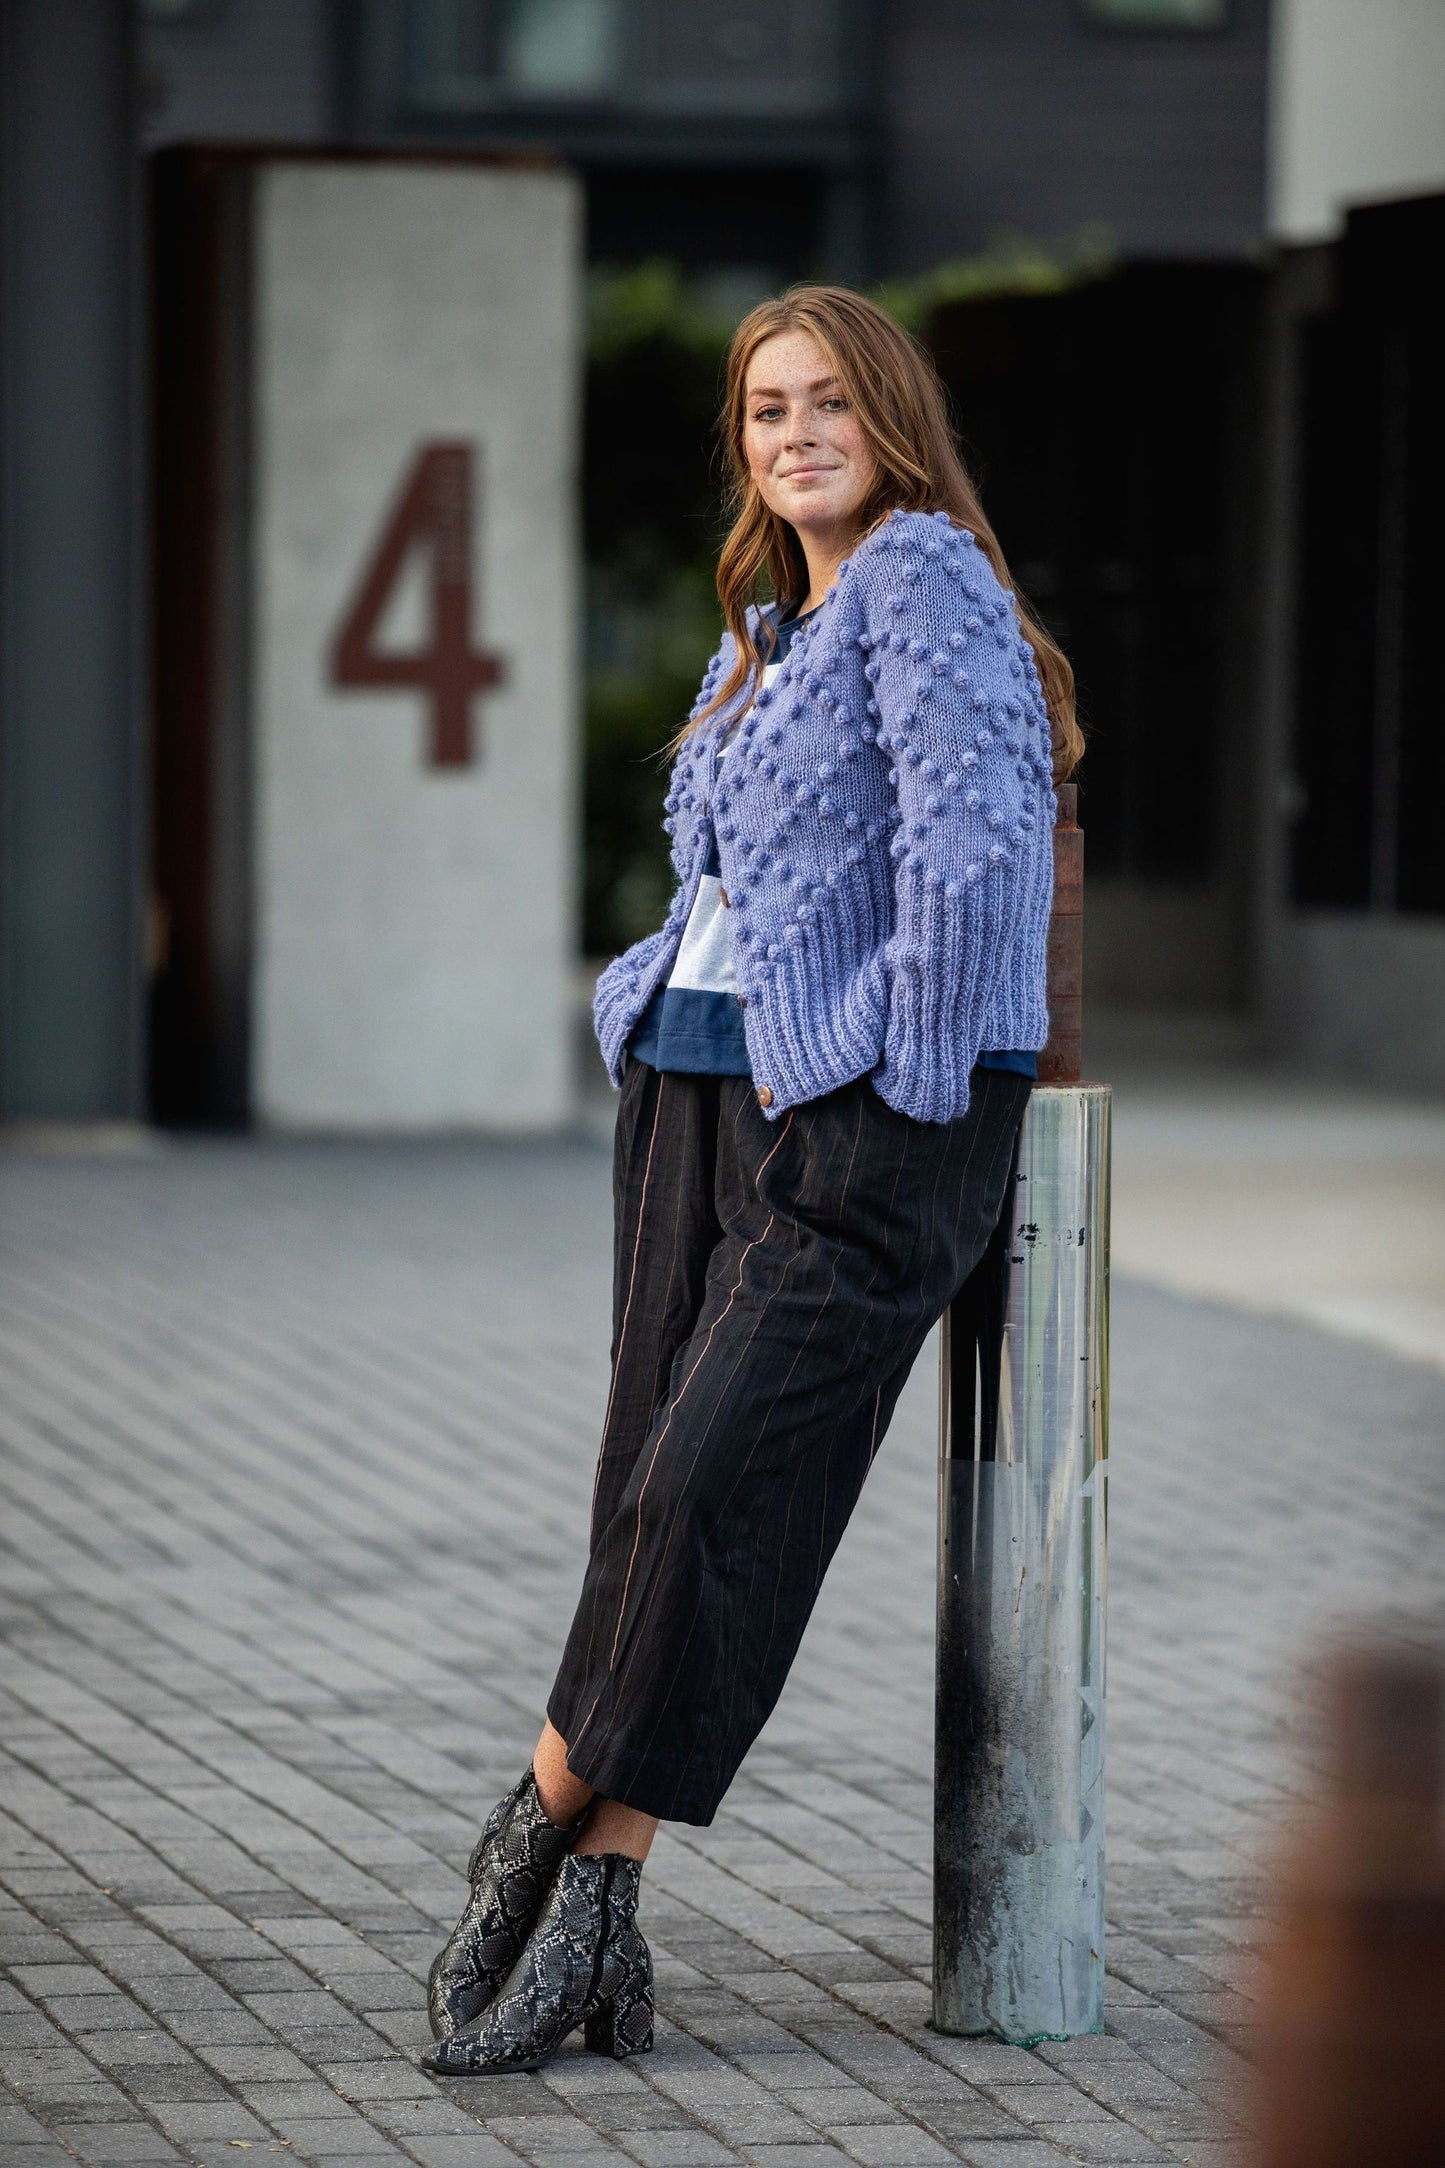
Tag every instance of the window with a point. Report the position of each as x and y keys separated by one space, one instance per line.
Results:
x=1156 y=14
x=465 y=55
x=719 y=60
x=562 y=47
x=182 y=11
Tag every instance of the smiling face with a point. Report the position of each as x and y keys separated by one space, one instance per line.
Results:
x=805 y=447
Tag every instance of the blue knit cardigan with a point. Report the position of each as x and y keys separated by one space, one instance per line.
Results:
x=883 y=825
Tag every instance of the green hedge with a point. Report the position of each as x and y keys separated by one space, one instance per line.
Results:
x=653 y=525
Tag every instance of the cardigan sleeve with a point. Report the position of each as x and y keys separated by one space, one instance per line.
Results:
x=615 y=1002
x=961 y=717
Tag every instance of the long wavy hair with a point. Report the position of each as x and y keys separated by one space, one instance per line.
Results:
x=896 y=394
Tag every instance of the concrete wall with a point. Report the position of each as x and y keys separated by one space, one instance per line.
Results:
x=1357 y=108
x=1151 y=946
x=415 y=923
x=1362 y=998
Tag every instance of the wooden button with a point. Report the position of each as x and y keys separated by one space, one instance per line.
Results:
x=765 y=1097
x=742 y=1001
x=724 y=894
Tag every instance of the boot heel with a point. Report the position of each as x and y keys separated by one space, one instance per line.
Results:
x=623 y=2026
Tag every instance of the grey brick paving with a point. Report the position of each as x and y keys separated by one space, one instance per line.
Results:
x=296 y=1455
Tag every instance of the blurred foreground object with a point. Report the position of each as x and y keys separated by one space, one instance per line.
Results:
x=1018 y=1938
x=1354 y=2042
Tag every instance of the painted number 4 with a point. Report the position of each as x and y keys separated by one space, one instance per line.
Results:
x=434 y=513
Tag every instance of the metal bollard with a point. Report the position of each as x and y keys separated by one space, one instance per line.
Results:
x=1018 y=1937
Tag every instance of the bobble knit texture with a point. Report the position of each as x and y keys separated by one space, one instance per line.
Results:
x=884 y=825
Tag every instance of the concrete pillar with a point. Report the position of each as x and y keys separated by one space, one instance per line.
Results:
x=71 y=826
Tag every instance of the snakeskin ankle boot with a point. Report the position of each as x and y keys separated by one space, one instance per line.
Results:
x=511 y=1870
x=586 y=1964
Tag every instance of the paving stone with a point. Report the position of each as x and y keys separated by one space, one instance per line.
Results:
x=894 y=2145
x=193 y=2122
x=1105 y=2143
x=839 y=2107
x=76 y=2014
x=321 y=2136
x=679 y=2149
x=268 y=2064
x=785 y=2069
x=76 y=2086
x=1216 y=2153
x=32 y=1946
x=271 y=2100
x=1047 y=2104
x=133 y=2050
x=167 y=1992
x=116 y=2145
x=555 y=2134
x=473 y=2151
x=222 y=2153
x=51 y=2154
x=594 y=2155
x=967 y=2118
x=297 y=1445
x=19 y=2127
x=187 y=2080
x=794 y=2156
x=26 y=2029
x=228 y=2026
x=617 y=2117
x=1008 y=2153
x=45 y=1982
x=395 y=2079
x=366 y=2159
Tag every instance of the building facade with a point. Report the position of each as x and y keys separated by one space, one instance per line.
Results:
x=1177 y=452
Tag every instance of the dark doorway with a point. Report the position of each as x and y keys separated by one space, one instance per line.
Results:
x=1111 y=431
x=1368 y=751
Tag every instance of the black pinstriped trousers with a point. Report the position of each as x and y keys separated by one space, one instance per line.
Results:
x=774 y=1282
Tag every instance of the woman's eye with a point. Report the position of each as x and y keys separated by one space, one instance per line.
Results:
x=836 y=401
x=767 y=414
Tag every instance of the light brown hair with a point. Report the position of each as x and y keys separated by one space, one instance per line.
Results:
x=901 y=405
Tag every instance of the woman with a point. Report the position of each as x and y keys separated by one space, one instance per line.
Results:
x=824 y=1056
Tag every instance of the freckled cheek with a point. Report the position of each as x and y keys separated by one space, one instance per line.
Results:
x=858 y=450
x=861 y=467
x=760 y=463
x=769 y=487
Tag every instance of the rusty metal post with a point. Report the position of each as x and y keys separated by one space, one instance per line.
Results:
x=1018 y=1944
x=1062 y=1060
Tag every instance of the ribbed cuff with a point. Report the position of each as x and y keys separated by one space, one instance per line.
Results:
x=622 y=994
